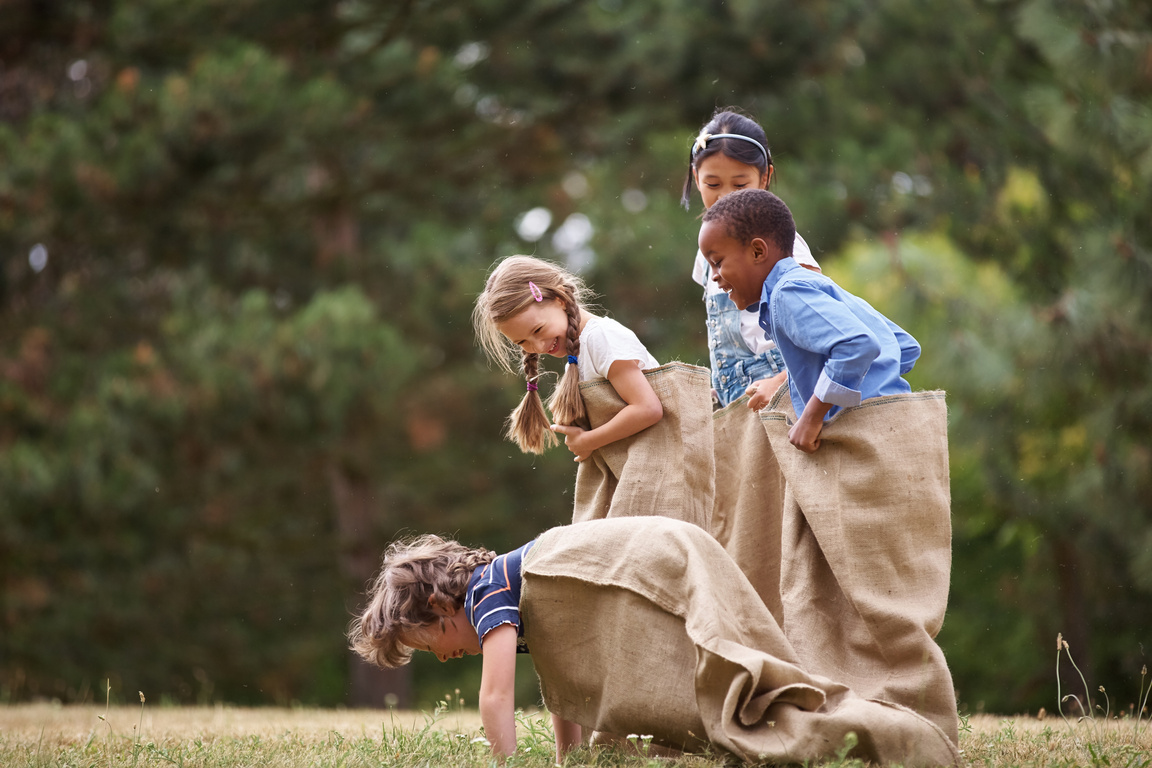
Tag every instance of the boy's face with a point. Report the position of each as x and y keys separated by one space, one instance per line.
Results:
x=738 y=268
x=450 y=638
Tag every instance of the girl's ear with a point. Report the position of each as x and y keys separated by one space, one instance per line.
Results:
x=766 y=178
x=441 y=608
x=695 y=178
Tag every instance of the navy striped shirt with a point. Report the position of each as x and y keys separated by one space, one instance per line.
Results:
x=493 y=596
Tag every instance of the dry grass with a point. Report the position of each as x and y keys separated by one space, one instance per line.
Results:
x=55 y=724
x=1052 y=741
x=80 y=736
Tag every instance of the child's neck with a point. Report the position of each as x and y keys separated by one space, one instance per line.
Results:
x=582 y=318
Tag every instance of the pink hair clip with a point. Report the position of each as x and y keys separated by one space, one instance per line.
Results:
x=536 y=292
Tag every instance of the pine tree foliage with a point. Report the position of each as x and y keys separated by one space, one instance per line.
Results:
x=241 y=240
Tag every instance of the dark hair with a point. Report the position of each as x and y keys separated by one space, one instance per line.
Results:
x=728 y=120
x=749 y=213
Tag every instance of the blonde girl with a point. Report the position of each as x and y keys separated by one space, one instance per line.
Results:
x=531 y=307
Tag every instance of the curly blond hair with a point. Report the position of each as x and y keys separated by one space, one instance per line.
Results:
x=506 y=294
x=416 y=573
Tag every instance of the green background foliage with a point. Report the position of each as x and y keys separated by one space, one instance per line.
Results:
x=246 y=363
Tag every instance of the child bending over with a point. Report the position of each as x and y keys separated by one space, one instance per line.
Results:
x=442 y=597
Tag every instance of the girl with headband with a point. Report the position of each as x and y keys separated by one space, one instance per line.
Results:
x=531 y=307
x=731 y=152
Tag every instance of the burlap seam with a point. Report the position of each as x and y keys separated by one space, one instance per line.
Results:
x=742 y=401
x=772 y=413
x=673 y=365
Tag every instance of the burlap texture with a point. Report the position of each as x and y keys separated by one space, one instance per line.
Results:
x=645 y=625
x=749 y=499
x=665 y=469
x=867 y=549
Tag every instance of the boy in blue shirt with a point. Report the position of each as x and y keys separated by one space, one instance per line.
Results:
x=865 y=576
x=838 y=350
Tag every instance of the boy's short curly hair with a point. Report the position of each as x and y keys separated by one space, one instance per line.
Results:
x=750 y=213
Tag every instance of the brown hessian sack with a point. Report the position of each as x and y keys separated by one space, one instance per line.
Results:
x=866 y=554
x=749 y=498
x=665 y=469
x=645 y=625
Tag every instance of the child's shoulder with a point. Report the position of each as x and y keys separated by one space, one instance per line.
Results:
x=606 y=332
x=600 y=324
x=789 y=272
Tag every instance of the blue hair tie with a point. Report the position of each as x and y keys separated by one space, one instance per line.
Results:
x=572 y=359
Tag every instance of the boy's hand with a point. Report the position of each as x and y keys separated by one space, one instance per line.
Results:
x=805 y=433
x=760 y=392
x=804 y=437
x=576 y=440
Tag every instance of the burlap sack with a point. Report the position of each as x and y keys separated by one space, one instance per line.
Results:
x=867 y=549
x=749 y=499
x=645 y=625
x=665 y=469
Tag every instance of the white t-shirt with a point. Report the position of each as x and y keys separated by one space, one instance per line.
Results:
x=604 y=341
x=750 y=329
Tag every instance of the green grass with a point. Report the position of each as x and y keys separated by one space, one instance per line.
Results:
x=224 y=737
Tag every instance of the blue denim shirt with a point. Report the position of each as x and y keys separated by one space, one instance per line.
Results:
x=835 y=345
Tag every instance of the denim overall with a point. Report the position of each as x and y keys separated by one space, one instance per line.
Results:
x=734 y=366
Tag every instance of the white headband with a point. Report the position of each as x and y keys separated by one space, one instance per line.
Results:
x=703 y=139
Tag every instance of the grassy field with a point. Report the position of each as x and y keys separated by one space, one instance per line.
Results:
x=227 y=737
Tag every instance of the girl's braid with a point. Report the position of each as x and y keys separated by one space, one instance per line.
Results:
x=566 y=403
x=529 y=426
x=531 y=366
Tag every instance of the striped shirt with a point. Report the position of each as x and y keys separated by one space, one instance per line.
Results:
x=493 y=596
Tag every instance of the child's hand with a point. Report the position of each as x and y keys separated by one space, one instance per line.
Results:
x=760 y=392
x=642 y=409
x=576 y=440
x=805 y=433
x=804 y=436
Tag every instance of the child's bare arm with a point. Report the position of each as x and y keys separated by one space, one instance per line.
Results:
x=643 y=409
x=805 y=433
x=497 y=689
x=569 y=735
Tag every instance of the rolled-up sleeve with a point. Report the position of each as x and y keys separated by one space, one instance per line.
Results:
x=909 y=348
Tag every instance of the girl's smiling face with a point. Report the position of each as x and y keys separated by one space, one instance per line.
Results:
x=718 y=174
x=542 y=329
